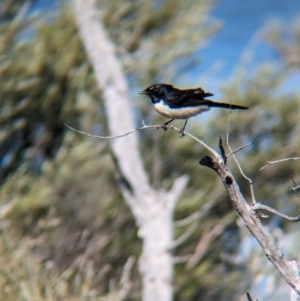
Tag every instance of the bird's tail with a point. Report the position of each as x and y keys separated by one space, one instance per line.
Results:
x=227 y=106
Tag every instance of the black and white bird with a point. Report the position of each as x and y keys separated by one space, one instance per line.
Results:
x=174 y=103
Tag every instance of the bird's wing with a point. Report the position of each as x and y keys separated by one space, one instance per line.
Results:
x=198 y=93
x=190 y=97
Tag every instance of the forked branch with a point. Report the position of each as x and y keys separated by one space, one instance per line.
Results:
x=260 y=206
x=252 y=222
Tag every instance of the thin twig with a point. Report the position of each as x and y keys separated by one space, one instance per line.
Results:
x=237 y=162
x=294 y=181
x=187 y=234
x=222 y=150
x=207 y=239
x=260 y=206
x=279 y=161
x=145 y=127
x=176 y=190
x=187 y=220
x=181 y=259
x=125 y=278
x=199 y=214
x=296 y=187
x=239 y=149
x=101 y=137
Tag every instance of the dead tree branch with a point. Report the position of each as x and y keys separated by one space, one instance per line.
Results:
x=237 y=162
x=260 y=206
x=239 y=149
x=252 y=222
x=145 y=127
x=279 y=161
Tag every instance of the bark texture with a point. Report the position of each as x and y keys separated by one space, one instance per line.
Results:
x=252 y=222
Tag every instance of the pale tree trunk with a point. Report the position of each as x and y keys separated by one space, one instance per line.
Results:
x=153 y=210
x=157 y=284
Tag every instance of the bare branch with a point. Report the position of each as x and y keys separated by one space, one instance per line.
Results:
x=125 y=279
x=187 y=234
x=296 y=187
x=237 y=162
x=177 y=189
x=189 y=219
x=181 y=259
x=279 y=161
x=240 y=148
x=145 y=127
x=197 y=215
x=102 y=137
x=260 y=206
x=222 y=150
x=253 y=223
x=293 y=181
x=207 y=239
x=247 y=178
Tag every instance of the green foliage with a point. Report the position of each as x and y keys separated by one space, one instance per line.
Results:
x=40 y=83
x=70 y=222
x=151 y=35
x=285 y=41
x=9 y=9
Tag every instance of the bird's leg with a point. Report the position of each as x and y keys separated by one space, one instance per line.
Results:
x=182 y=130
x=166 y=123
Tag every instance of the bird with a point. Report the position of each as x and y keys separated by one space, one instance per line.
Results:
x=175 y=103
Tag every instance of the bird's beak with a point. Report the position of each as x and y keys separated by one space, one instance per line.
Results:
x=144 y=92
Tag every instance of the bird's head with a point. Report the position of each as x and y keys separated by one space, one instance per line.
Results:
x=157 y=91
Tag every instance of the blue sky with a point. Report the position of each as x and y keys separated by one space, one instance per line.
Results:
x=243 y=22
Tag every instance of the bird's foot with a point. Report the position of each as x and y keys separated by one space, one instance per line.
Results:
x=183 y=128
x=164 y=126
x=182 y=133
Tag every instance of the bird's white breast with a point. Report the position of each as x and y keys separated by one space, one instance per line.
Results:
x=179 y=113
